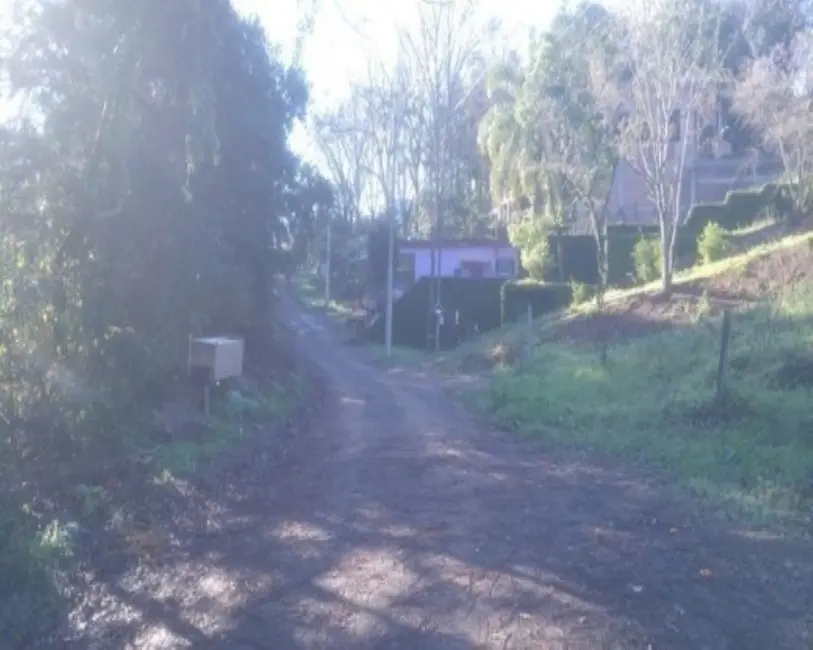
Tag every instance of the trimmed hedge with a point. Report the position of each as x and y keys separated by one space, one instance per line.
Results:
x=477 y=300
x=740 y=207
x=579 y=252
x=579 y=259
x=543 y=298
x=482 y=304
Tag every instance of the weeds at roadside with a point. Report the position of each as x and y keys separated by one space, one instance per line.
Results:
x=30 y=555
x=236 y=415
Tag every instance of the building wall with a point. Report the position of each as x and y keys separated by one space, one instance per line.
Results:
x=451 y=259
x=704 y=181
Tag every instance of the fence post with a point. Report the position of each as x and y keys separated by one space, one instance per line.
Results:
x=722 y=365
x=529 y=346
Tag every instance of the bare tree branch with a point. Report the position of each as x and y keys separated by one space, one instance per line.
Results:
x=662 y=85
x=774 y=96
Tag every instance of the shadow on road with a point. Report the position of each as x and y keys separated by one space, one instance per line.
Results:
x=392 y=520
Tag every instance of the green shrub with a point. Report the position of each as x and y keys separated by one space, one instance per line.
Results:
x=542 y=297
x=579 y=253
x=646 y=257
x=582 y=292
x=531 y=237
x=713 y=243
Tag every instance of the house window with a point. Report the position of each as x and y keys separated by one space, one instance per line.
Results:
x=473 y=269
x=506 y=268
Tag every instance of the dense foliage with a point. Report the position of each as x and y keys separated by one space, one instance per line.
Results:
x=604 y=92
x=148 y=192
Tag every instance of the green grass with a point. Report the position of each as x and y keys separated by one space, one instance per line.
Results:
x=757 y=226
x=653 y=402
x=235 y=417
x=311 y=290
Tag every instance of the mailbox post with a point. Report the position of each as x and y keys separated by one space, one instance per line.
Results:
x=213 y=359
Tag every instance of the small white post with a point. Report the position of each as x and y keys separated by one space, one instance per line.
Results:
x=438 y=323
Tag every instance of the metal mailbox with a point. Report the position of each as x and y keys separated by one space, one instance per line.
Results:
x=221 y=356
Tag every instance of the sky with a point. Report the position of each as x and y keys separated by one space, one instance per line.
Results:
x=347 y=33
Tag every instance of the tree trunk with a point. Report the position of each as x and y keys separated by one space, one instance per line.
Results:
x=666 y=264
x=602 y=250
x=560 y=255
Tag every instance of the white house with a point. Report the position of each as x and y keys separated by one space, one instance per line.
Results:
x=472 y=258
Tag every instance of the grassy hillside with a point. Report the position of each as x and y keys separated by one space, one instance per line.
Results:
x=653 y=398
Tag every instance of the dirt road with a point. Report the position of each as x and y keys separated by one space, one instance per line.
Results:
x=397 y=521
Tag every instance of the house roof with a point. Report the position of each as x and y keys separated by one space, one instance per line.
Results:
x=452 y=243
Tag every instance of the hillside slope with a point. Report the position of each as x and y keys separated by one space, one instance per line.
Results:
x=653 y=398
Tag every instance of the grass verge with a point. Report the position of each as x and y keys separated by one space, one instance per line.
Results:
x=653 y=401
x=236 y=415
